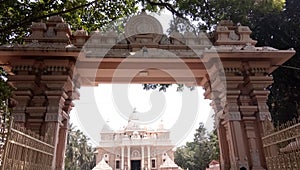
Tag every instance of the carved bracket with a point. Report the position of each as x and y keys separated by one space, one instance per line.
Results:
x=232 y=116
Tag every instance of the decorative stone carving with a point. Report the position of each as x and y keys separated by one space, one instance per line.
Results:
x=165 y=40
x=229 y=34
x=232 y=71
x=143 y=28
x=36 y=111
x=190 y=38
x=110 y=38
x=63 y=30
x=38 y=29
x=53 y=117
x=44 y=35
x=245 y=32
x=80 y=37
x=233 y=36
x=176 y=38
x=135 y=154
x=260 y=70
x=233 y=116
x=19 y=117
x=204 y=40
x=55 y=19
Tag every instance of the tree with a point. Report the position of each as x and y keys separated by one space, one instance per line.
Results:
x=274 y=23
x=281 y=30
x=17 y=15
x=79 y=154
x=6 y=92
x=209 y=13
x=198 y=154
x=213 y=145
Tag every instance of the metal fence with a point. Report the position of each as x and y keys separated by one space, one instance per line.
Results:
x=24 y=149
x=282 y=146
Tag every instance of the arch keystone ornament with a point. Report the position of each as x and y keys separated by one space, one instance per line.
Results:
x=143 y=29
x=48 y=70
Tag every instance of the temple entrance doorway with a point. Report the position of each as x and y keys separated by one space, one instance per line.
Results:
x=135 y=164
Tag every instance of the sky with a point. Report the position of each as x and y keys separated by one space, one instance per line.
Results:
x=112 y=104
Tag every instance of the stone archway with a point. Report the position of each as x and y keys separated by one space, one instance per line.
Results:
x=49 y=68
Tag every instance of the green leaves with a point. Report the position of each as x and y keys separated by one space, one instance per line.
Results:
x=5 y=90
x=280 y=29
x=198 y=154
x=272 y=23
x=79 y=154
x=16 y=16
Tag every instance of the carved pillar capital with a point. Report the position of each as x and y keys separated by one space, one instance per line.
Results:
x=24 y=86
x=232 y=116
x=259 y=94
x=44 y=91
x=53 y=117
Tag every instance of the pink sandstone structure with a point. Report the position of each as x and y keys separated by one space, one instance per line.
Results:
x=47 y=71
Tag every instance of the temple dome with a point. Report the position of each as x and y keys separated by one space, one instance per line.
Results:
x=132 y=125
x=106 y=129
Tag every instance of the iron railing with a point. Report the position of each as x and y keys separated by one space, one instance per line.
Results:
x=24 y=149
x=282 y=146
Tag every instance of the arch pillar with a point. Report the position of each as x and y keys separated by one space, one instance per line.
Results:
x=232 y=127
x=255 y=110
x=240 y=112
x=44 y=93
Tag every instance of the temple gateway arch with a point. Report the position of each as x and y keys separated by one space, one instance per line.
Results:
x=49 y=68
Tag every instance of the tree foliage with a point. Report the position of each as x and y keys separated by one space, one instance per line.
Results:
x=281 y=30
x=209 y=13
x=5 y=91
x=17 y=15
x=198 y=154
x=79 y=154
x=164 y=87
x=274 y=23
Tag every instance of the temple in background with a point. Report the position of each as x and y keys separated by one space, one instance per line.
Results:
x=135 y=147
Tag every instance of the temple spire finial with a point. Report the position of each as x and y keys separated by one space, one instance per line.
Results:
x=133 y=115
